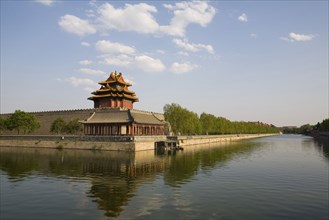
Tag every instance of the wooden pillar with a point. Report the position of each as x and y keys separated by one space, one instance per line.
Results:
x=114 y=130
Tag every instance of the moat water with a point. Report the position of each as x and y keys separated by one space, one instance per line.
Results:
x=279 y=177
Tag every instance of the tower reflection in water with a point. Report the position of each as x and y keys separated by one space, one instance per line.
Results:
x=116 y=176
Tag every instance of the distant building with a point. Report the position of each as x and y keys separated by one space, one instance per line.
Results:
x=118 y=116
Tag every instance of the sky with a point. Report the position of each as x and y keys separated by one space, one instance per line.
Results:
x=243 y=60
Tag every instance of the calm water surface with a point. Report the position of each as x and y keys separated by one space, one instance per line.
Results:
x=281 y=177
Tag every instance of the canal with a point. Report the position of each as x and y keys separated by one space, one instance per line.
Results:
x=279 y=177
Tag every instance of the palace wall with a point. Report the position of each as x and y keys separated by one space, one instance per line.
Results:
x=46 y=118
x=140 y=143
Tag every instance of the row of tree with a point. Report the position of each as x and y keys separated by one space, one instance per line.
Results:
x=308 y=129
x=22 y=121
x=183 y=121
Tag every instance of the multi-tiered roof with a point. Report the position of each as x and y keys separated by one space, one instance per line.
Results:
x=114 y=92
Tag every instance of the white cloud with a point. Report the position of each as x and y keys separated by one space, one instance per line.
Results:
x=182 y=67
x=183 y=53
x=89 y=89
x=75 y=25
x=85 y=44
x=139 y=18
x=286 y=39
x=80 y=81
x=161 y=51
x=92 y=72
x=301 y=37
x=90 y=13
x=252 y=35
x=110 y=47
x=142 y=62
x=46 y=2
x=129 y=79
x=193 y=47
x=149 y=64
x=297 y=37
x=136 y=18
x=85 y=62
x=120 y=60
x=243 y=18
x=185 y=13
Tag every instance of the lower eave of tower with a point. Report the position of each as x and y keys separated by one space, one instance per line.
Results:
x=134 y=99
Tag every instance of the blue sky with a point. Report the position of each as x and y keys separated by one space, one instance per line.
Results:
x=251 y=61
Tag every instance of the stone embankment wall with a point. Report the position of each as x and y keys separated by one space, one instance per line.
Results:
x=69 y=142
x=115 y=143
x=206 y=139
x=126 y=143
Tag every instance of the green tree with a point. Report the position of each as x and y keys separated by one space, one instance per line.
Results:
x=305 y=129
x=182 y=121
x=58 y=126
x=22 y=121
x=73 y=126
x=208 y=123
x=171 y=114
x=3 y=124
x=324 y=126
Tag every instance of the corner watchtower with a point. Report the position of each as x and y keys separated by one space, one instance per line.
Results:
x=114 y=93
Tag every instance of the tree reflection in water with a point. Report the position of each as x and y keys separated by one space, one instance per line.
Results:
x=116 y=176
x=185 y=165
x=323 y=145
